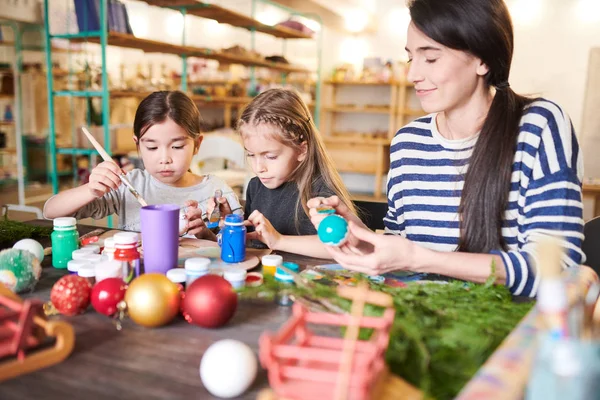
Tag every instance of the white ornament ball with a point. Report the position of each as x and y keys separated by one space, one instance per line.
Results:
x=228 y=368
x=32 y=246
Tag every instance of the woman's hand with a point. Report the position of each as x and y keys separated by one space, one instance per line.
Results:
x=377 y=254
x=195 y=223
x=263 y=230
x=104 y=178
x=340 y=208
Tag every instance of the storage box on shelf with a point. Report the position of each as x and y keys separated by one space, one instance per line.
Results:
x=365 y=152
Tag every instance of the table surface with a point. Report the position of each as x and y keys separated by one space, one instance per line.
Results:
x=138 y=362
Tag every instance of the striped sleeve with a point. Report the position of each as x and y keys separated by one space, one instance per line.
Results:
x=552 y=202
x=394 y=219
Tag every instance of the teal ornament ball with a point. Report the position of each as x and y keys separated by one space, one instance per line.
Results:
x=19 y=269
x=333 y=230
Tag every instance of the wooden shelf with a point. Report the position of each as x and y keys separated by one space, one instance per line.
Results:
x=369 y=83
x=360 y=110
x=129 y=41
x=55 y=49
x=413 y=112
x=224 y=100
x=7 y=123
x=6 y=96
x=152 y=46
x=8 y=150
x=357 y=138
x=118 y=94
x=230 y=17
x=361 y=83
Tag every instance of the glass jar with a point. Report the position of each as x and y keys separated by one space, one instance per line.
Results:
x=109 y=249
x=127 y=253
x=270 y=263
x=195 y=268
x=65 y=240
x=235 y=276
x=88 y=272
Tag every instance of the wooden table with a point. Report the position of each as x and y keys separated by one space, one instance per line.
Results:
x=138 y=362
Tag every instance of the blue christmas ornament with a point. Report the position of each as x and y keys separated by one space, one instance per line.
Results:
x=333 y=230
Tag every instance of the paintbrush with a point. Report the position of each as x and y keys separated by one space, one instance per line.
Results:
x=215 y=215
x=106 y=157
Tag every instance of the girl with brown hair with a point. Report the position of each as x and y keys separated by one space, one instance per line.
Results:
x=167 y=134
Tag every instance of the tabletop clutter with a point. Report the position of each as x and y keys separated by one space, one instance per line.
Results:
x=144 y=278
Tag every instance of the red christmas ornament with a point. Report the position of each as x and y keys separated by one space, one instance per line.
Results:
x=106 y=294
x=70 y=295
x=209 y=302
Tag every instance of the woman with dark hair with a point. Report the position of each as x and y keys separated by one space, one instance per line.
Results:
x=482 y=178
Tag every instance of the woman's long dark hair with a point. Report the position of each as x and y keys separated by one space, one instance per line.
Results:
x=484 y=29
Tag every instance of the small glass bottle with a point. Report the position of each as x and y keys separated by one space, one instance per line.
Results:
x=88 y=272
x=195 y=268
x=93 y=247
x=109 y=249
x=108 y=269
x=74 y=265
x=81 y=254
x=270 y=263
x=284 y=297
x=232 y=239
x=127 y=253
x=177 y=276
x=235 y=276
x=65 y=239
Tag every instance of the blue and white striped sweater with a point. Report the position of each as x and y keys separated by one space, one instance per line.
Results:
x=427 y=175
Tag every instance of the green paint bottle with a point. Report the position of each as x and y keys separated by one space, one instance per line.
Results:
x=65 y=240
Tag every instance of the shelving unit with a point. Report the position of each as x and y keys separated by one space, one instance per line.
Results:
x=363 y=152
x=18 y=29
x=105 y=38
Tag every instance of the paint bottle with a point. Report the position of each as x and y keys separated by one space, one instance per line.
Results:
x=232 y=239
x=177 y=276
x=235 y=276
x=109 y=249
x=195 y=268
x=127 y=253
x=93 y=247
x=108 y=269
x=74 y=265
x=270 y=263
x=88 y=272
x=284 y=297
x=80 y=254
x=65 y=240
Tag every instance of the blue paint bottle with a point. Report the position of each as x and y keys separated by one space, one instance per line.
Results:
x=232 y=239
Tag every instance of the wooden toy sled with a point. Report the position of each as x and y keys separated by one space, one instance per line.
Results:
x=25 y=334
x=305 y=366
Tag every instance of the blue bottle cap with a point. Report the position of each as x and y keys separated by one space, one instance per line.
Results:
x=234 y=219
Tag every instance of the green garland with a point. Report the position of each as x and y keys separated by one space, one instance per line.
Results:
x=442 y=333
x=13 y=231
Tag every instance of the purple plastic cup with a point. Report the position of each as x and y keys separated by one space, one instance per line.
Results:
x=160 y=237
